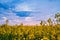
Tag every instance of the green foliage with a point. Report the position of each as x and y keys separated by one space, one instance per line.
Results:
x=41 y=23
x=57 y=16
x=49 y=20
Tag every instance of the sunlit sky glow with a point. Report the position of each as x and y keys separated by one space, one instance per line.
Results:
x=28 y=11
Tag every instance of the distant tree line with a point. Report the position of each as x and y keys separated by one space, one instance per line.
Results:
x=50 y=22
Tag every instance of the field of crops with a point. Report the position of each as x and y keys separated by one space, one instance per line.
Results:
x=29 y=32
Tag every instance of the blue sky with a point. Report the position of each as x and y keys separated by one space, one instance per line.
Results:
x=28 y=11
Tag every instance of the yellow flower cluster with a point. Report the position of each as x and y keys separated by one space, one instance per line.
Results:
x=30 y=32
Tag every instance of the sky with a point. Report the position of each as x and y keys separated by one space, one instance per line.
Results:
x=29 y=12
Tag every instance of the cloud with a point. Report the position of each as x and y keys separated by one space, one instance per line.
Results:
x=52 y=0
x=27 y=11
x=5 y=1
x=8 y=14
x=11 y=1
x=5 y=18
x=13 y=22
x=22 y=7
x=28 y=19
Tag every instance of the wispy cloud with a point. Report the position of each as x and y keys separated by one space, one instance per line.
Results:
x=22 y=7
x=28 y=11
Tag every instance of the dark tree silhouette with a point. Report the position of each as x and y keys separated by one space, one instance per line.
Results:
x=57 y=16
x=41 y=23
x=49 y=21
